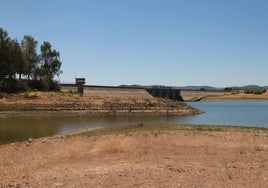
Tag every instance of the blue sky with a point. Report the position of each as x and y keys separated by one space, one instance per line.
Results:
x=169 y=42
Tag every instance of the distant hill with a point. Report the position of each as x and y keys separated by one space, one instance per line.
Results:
x=174 y=87
x=210 y=88
x=199 y=88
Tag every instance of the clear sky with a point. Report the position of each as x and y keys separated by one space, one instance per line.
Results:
x=169 y=42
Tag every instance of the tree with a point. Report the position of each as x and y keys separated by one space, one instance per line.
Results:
x=30 y=56
x=23 y=59
x=50 y=62
x=15 y=59
x=11 y=61
x=4 y=41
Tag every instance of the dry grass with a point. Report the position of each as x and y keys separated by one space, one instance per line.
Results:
x=121 y=144
x=112 y=144
x=62 y=99
x=59 y=97
x=238 y=96
x=151 y=158
x=73 y=104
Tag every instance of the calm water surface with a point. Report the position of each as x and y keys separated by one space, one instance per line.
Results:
x=246 y=113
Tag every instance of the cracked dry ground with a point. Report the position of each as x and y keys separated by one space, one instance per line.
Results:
x=141 y=159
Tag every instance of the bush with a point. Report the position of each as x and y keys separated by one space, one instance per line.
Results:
x=228 y=89
x=53 y=86
x=255 y=91
x=36 y=84
x=44 y=85
x=13 y=86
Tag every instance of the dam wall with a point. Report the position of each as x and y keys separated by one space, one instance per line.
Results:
x=109 y=92
x=143 y=93
x=125 y=92
x=117 y=92
x=195 y=95
x=169 y=93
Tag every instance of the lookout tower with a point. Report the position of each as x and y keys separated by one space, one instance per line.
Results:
x=80 y=82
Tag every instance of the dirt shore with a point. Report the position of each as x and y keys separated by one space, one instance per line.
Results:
x=236 y=96
x=73 y=104
x=190 y=157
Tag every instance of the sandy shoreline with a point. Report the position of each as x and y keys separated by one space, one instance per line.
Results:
x=189 y=157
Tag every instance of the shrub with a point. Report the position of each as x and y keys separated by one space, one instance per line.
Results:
x=44 y=85
x=255 y=91
x=13 y=86
x=228 y=89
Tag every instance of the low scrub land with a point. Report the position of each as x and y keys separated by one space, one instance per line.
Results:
x=140 y=156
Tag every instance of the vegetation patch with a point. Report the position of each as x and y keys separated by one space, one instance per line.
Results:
x=22 y=68
x=258 y=91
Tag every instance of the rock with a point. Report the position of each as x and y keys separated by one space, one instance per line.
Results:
x=140 y=125
x=30 y=140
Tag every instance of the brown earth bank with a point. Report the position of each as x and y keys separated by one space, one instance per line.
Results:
x=73 y=104
x=236 y=96
x=177 y=156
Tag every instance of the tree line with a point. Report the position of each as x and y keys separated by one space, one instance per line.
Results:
x=22 y=67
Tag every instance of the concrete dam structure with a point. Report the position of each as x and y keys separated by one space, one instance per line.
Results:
x=197 y=95
x=123 y=92
x=139 y=92
x=108 y=92
x=166 y=92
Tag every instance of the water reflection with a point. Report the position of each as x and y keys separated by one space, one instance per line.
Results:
x=18 y=129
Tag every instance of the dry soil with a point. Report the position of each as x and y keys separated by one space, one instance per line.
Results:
x=182 y=158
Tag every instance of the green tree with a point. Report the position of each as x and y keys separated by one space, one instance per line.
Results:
x=10 y=56
x=15 y=59
x=30 y=56
x=23 y=59
x=4 y=42
x=50 y=62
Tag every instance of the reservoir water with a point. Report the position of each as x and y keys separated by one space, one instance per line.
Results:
x=240 y=113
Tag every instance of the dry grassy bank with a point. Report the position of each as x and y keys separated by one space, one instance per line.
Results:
x=184 y=156
x=52 y=103
x=237 y=96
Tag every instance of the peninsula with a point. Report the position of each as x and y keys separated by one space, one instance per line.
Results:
x=74 y=104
